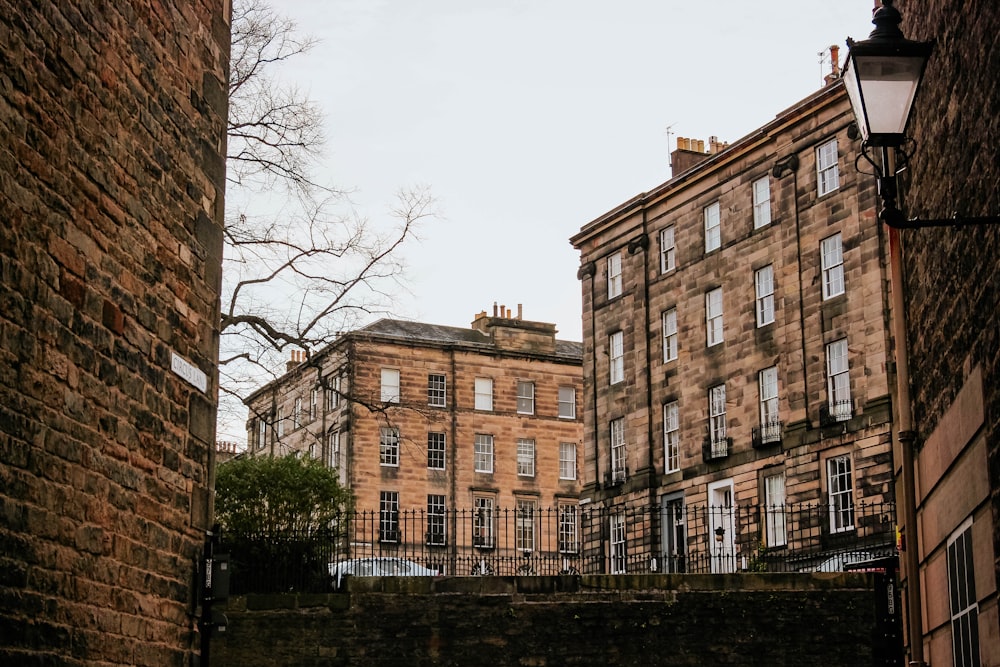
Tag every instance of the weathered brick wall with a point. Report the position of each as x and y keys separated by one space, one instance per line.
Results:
x=112 y=130
x=772 y=620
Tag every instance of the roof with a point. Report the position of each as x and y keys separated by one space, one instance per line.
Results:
x=436 y=334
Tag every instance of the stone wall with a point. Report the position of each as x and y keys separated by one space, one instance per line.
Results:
x=112 y=174
x=665 y=620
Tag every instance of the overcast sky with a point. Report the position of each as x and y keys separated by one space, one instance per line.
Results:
x=527 y=119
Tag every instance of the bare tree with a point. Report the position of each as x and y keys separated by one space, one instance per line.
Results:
x=297 y=271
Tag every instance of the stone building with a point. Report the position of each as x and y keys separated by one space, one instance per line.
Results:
x=735 y=346
x=952 y=296
x=431 y=421
x=112 y=174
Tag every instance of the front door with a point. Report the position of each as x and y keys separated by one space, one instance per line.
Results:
x=674 y=541
x=721 y=527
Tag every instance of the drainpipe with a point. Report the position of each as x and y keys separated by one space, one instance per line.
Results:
x=906 y=437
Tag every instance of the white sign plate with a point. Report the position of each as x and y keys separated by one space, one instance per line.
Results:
x=188 y=371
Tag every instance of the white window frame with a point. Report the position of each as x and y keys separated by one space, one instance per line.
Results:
x=483 y=453
x=297 y=413
x=333 y=393
x=668 y=250
x=437 y=390
x=436 y=525
x=390 y=391
x=614 y=275
x=261 y=433
x=840 y=492
x=838 y=380
x=761 y=202
x=763 y=281
x=280 y=422
x=827 y=169
x=714 y=332
x=668 y=320
x=333 y=449
x=619 y=450
x=713 y=227
x=767 y=387
x=313 y=404
x=484 y=394
x=484 y=521
x=388 y=446
x=619 y=543
x=963 y=603
x=525 y=457
x=776 y=526
x=569 y=529
x=525 y=397
x=671 y=437
x=616 y=357
x=567 y=460
x=388 y=516
x=436 y=450
x=567 y=402
x=717 y=420
x=524 y=524
x=831 y=251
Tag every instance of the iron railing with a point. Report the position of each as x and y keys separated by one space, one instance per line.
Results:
x=571 y=539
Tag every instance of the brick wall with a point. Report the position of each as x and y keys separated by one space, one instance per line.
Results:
x=614 y=621
x=112 y=130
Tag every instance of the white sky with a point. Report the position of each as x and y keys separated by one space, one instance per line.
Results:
x=527 y=119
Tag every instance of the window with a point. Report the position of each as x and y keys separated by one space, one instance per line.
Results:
x=763 y=280
x=388 y=446
x=827 y=174
x=525 y=457
x=963 y=604
x=484 y=394
x=524 y=528
x=333 y=393
x=616 y=355
x=281 y=422
x=668 y=250
x=770 y=425
x=297 y=413
x=390 y=385
x=717 y=420
x=774 y=510
x=761 y=202
x=832 y=260
x=313 y=403
x=567 y=460
x=435 y=519
x=840 y=491
x=569 y=543
x=483 y=453
x=333 y=449
x=435 y=451
x=388 y=516
x=671 y=437
x=313 y=453
x=614 y=275
x=567 y=403
x=669 y=319
x=483 y=520
x=619 y=471
x=713 y=316
x=261 y=432
x=526 y=398
x=618 y=553
x=436 y=390
x=838 y=380
x=713 y=228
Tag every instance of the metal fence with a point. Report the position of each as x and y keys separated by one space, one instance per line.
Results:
x=570 y=539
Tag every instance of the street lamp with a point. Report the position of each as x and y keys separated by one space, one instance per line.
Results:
x=882 y=75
